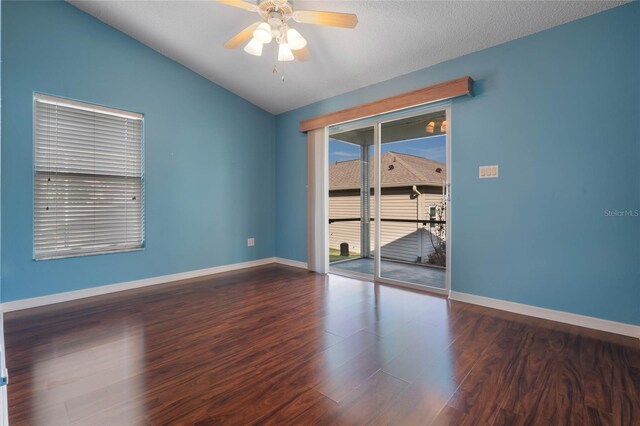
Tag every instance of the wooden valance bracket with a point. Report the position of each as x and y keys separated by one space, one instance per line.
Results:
x=438 y=92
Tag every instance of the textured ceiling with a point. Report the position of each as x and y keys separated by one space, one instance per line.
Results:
x=392 y=38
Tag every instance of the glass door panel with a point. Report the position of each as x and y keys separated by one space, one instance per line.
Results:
x=413 y=201
x=351 y=236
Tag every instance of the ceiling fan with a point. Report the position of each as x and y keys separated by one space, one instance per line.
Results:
x=274 y=25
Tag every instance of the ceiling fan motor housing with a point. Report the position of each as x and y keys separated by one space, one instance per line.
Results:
x=278 y=27
x=281 y=8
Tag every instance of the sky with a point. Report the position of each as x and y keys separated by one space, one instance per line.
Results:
x=433 y=147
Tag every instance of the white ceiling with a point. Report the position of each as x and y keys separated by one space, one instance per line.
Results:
x=392 y=38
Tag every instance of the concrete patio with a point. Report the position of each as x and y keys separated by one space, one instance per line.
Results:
x=407 y=272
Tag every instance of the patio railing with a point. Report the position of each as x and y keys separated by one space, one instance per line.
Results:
x=424 y=244
x=423 y=222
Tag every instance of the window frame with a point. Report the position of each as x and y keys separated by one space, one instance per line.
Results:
x=87 y=106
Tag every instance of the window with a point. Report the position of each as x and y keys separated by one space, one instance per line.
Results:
x=432 y=216
x=89 y=179
x=432 y=213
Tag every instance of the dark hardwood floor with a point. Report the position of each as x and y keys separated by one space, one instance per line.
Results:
x=278 y=345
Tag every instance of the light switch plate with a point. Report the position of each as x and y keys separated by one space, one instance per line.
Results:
x=251 y=242
x=486 y=172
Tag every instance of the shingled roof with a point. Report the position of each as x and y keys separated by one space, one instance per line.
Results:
x=397 y=170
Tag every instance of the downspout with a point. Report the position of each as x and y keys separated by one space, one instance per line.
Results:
x=418 y=228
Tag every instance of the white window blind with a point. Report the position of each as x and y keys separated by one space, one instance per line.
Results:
x=89 y=179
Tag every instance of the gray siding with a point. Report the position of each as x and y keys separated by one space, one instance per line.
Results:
x=399 y=241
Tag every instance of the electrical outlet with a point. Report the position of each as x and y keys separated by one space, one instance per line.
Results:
x=251 y=242
x=486 y=172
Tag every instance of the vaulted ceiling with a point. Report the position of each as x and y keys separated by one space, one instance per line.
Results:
x=392 y=38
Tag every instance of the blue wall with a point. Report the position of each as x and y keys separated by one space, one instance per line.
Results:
x=1 y=337
x=559 y=111
x=210 y=155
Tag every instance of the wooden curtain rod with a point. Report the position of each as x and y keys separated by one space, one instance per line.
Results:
x=438 y=92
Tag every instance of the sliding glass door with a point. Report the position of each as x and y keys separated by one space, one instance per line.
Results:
x=350 y=201
x=400 y=237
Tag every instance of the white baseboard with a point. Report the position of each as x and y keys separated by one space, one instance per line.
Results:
x=4 y=403
x=518 y=308
x=33 y=302
x=289 y=262
x=550 y=314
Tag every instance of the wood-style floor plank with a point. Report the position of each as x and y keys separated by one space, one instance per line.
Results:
x=279 y=345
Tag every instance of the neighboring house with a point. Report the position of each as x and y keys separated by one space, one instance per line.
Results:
x=412 y=188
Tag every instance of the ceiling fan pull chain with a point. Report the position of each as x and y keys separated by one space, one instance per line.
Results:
x=275 y=59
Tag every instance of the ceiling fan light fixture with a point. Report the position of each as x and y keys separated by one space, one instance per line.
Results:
x=254 y=47
x=430 y=127
x=284 y=53
x=295 y=40
x=263 y=33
